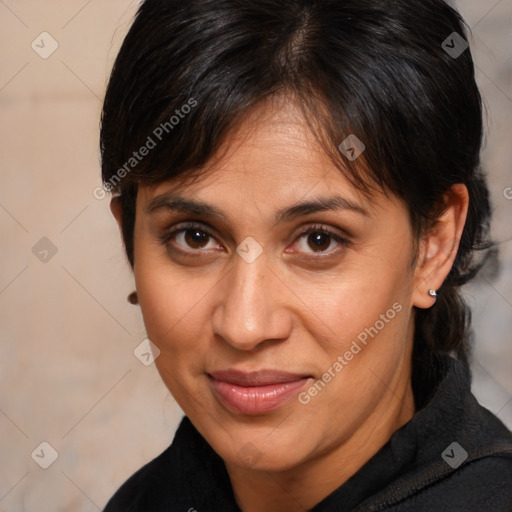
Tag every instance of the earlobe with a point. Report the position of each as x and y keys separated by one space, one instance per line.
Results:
x=439 y=246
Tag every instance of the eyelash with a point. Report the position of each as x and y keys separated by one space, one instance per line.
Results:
x=167 y=237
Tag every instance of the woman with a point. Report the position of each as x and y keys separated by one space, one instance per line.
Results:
x=298 y=188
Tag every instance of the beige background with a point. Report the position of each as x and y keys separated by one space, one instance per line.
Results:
x=68 y=374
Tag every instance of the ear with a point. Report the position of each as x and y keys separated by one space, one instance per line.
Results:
x=438 y=247
x=117 y=212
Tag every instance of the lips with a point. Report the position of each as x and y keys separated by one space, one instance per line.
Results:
x=255 y=392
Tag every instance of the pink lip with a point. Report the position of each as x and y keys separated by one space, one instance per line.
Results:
x=255 y=392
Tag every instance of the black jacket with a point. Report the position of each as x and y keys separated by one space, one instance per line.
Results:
x=419 y=469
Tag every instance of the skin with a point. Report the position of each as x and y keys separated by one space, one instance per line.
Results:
x=286 y=310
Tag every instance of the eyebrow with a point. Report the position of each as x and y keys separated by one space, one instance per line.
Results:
x=169 y=201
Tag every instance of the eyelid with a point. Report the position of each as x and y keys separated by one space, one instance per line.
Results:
x=340 y=236
x=334 y=232
x=341 y=239
x=167 y=235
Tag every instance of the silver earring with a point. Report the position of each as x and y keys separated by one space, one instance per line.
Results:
x=432 y=293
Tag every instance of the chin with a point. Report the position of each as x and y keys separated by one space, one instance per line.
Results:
x=265 y=450
x=252 y=458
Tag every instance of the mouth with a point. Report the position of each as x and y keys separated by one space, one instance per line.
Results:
x=255 y=392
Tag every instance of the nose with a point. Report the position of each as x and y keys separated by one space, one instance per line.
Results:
x=251 y=306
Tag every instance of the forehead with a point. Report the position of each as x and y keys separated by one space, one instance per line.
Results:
x=267 y=165
x=272 y=149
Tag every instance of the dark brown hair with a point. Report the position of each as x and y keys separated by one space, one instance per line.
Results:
x=190 y=70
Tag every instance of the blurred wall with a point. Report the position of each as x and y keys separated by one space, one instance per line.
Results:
x=68 y=374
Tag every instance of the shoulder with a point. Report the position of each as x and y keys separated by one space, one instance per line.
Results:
x=187 y=476
x=160 y=480
x=482 y=484
x=455 y=454
x=477 y=473
x=141 y=487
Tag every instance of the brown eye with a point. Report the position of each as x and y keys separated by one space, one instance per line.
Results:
x=195 y=238
x=318 y=240
x=189 y=238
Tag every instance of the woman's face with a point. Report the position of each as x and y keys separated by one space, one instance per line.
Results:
x=281 y=302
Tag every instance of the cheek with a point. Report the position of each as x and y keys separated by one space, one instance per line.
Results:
x=172 y=302
x=364 y=355
x=361 y=300
x=368 y=315
x=173 y=311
